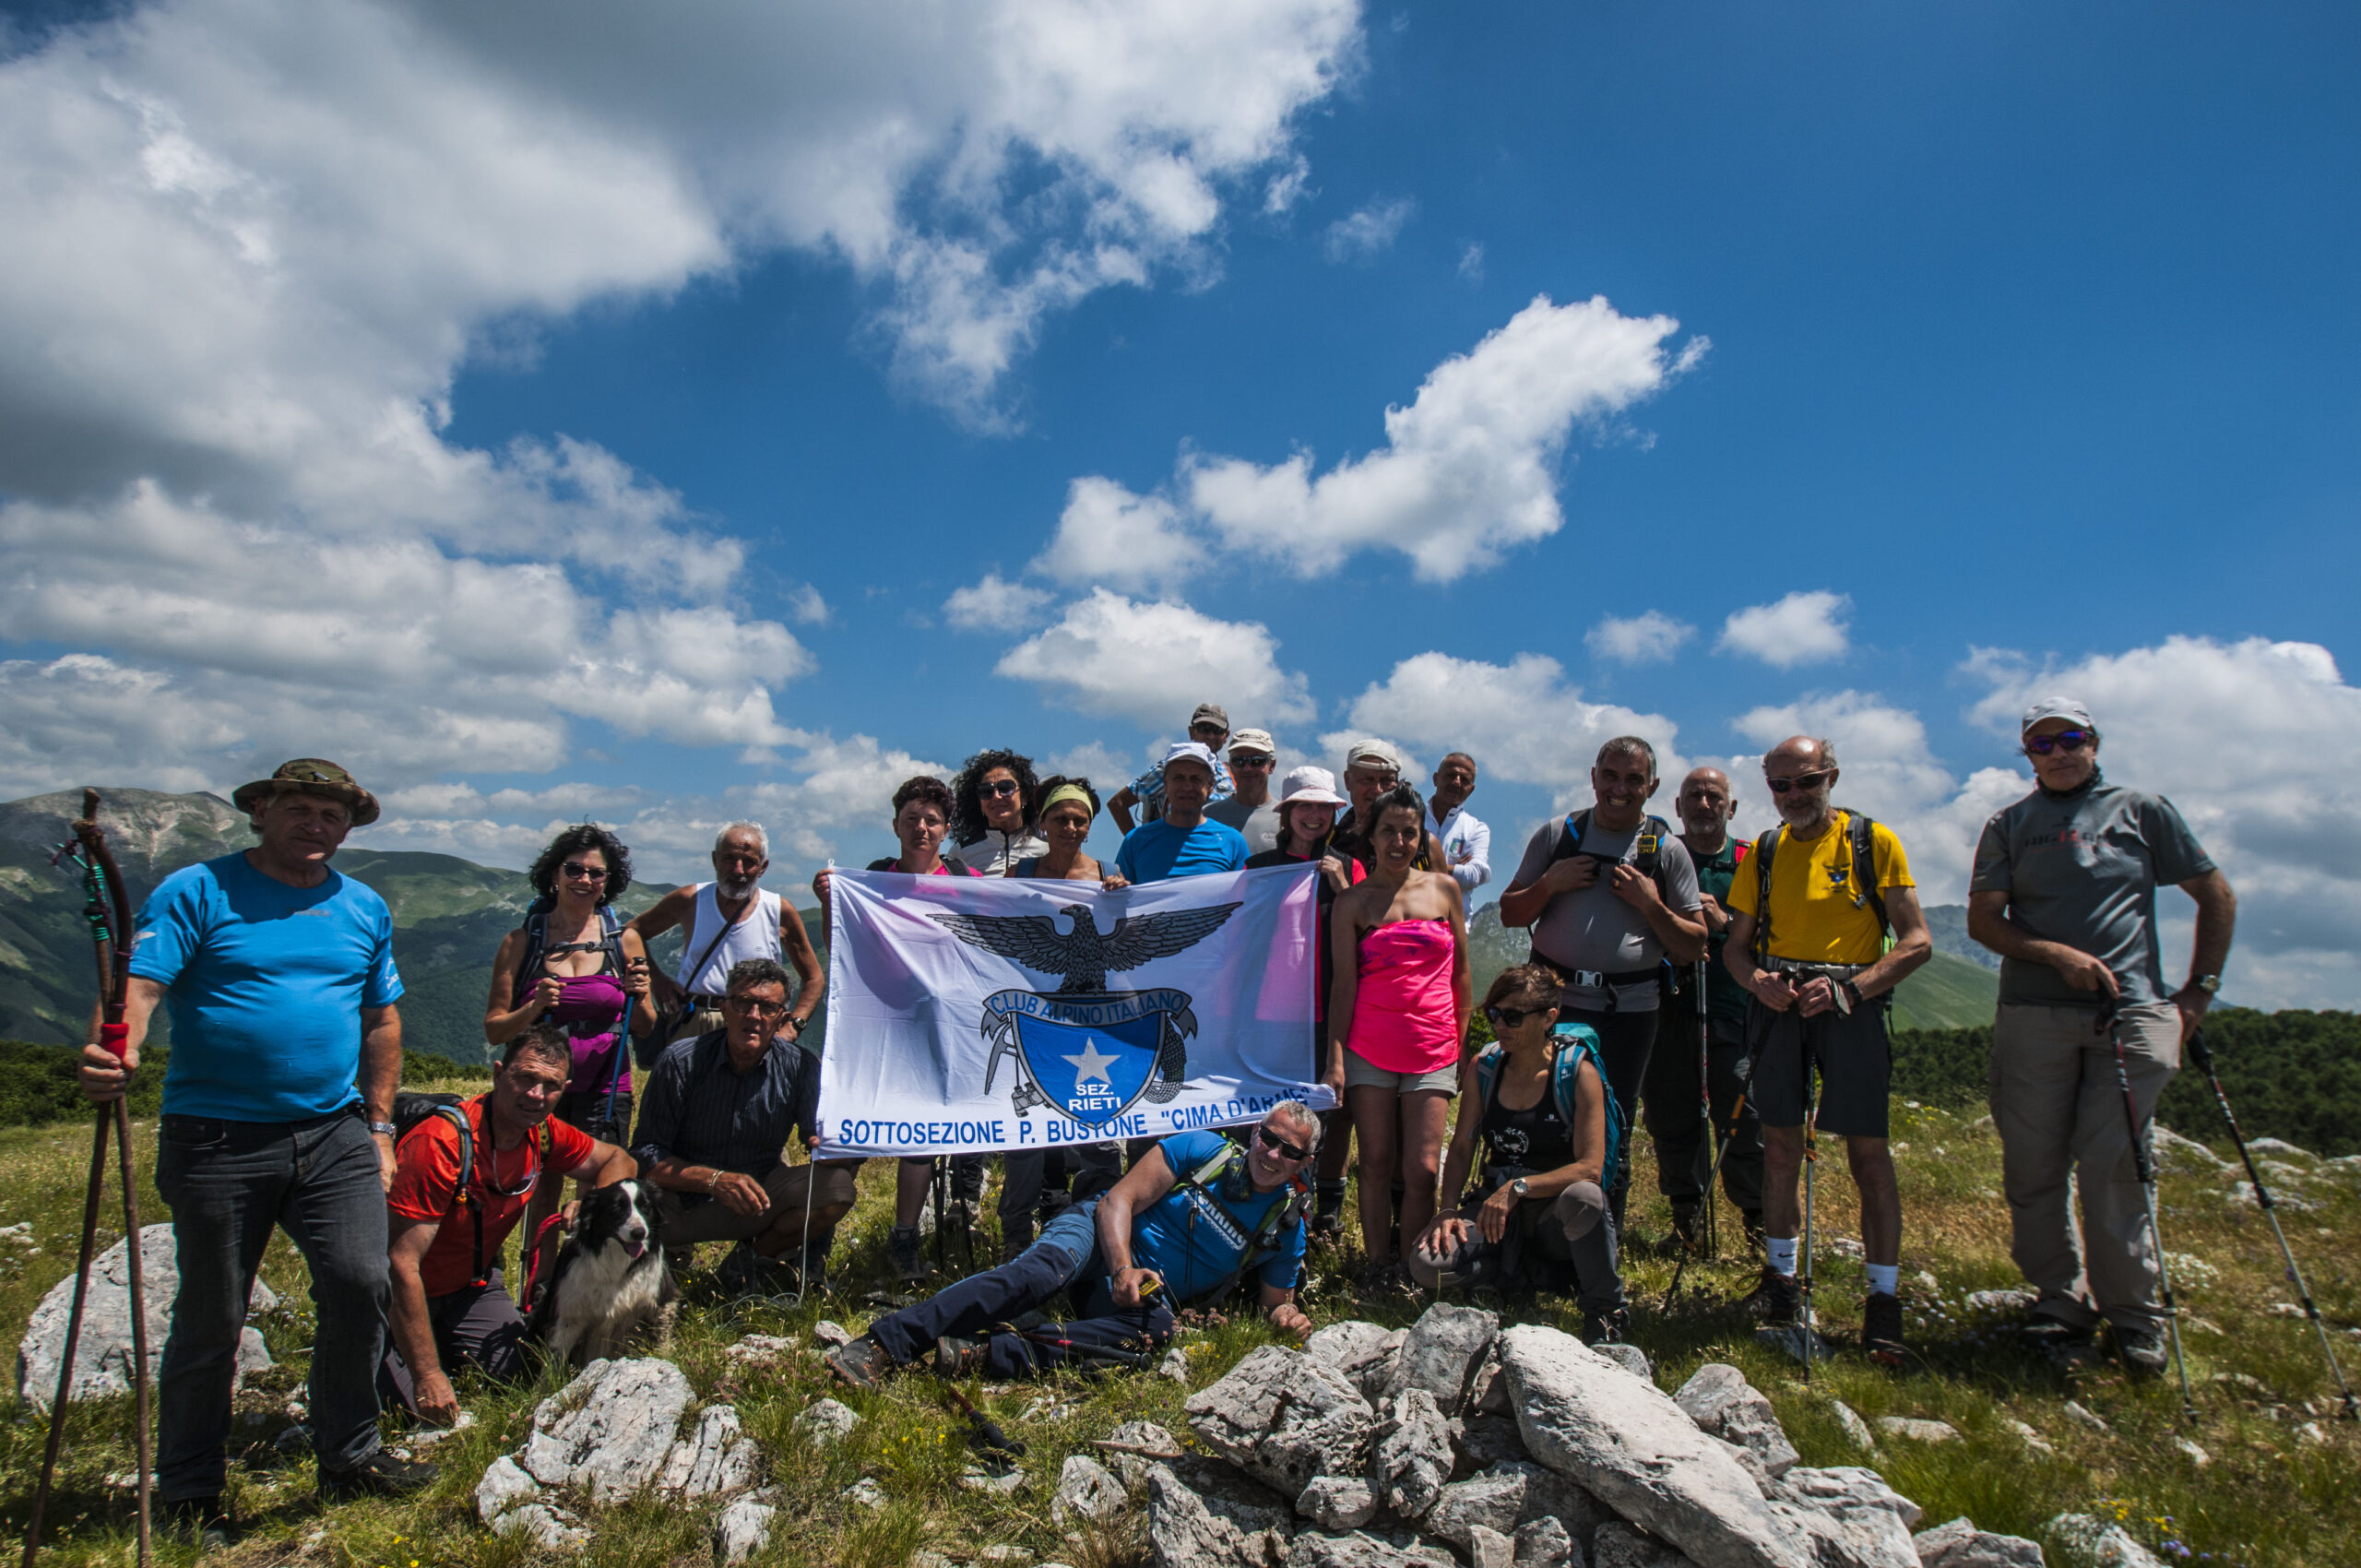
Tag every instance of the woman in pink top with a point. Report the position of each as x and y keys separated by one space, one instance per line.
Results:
x=1397 y=1013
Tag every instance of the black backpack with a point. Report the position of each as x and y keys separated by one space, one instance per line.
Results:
x=1860 y=870
x=413 y=1111
x=1648 y=859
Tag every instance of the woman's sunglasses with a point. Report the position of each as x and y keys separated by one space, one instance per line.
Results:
x=1512 y=1018
x=1279 y=1145
x=581 y=873
x=2064 y=740
x=1801 y=781
x=999 y=786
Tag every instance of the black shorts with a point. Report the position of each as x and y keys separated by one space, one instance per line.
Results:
x=586 y=1109
x=1855 y=1068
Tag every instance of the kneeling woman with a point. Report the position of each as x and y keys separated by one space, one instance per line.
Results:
x=1538 y=1102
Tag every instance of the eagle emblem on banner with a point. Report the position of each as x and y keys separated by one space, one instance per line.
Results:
x=1083 y=1050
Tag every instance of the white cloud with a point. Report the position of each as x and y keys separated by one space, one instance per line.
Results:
x=1107 y=768
x=1364 y=233
x=1471 y=262
x=808 y=608
x=1803 y=628
x=1108 y=535
x=1153 y=662
x=1520 y=720
x=1469 y=469
x=994 y=605
x=1646 y=639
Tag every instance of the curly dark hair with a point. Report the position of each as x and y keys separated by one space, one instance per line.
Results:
x=573 y=841
x=925 y=787
x=968 y=822
x=1402 y=797
x=1057 y=782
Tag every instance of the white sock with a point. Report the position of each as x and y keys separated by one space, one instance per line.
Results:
x=1782 y=1254
x=1885 y=1278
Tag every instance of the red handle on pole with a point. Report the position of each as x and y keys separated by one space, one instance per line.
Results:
x=116 y=1039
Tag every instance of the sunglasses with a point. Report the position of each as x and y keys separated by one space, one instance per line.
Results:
x=1512 y=1018
x=759 y=1009
x=1279 y=1145
x=999 y=786
x=581 y=873
x=1806 y=781
x=2064 y=740
x=1259 y=764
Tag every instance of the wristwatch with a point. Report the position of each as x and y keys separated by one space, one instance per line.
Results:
x=1517 y=1186
x=2210 y=984
x=385 y=1129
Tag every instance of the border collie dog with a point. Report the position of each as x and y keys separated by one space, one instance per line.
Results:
x=609 y=1282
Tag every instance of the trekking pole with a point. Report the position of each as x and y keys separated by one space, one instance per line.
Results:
x=2146 y=1170
x=1807 y=1339
x=1709 y=1235
x=2204 y=1058
x=109 y=913
x=1721 y=1152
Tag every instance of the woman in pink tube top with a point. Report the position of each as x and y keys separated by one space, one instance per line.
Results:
x=1397 y=1016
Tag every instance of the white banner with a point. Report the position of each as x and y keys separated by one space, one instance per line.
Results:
x=987 y=1013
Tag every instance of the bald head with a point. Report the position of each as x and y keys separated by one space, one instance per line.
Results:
x=1706 y=803
x=1799 y=772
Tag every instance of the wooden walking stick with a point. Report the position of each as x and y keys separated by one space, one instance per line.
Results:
x=109 y=912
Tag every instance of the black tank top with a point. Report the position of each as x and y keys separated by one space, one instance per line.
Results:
x=1534 y=1139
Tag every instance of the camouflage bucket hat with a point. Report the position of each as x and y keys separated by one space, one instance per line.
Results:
x=309 y=775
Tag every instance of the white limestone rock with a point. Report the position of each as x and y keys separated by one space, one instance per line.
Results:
x=1413 y=1456
x=1337 y=1502
x=1850 y=1516
x=743 y=1529
x=2085 y=1542
x=716 y=1459
x=826 y=1422
x=609 y=1432
x=1618 y=1545
x=757 y=1350
x=1360 y=1549
x=1487 y=1547
x=1490 y=1501
x=1086 y=1488
x=504 y=1486
x=1857 y=1430
x=1283 y=1418
x=1544 y=1544
x=1441 y=1353
x=1630 y=1358
x=1720 y=1400
x=1914 y=1430
x=1959 y=1544
x=552 y=1530
x=1184 y=1533
x=1625 y=1442
x=102 y=1355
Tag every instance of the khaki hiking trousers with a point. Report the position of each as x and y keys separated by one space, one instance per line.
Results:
x=2059 y=1109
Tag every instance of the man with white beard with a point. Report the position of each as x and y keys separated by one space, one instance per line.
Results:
x=728 y=920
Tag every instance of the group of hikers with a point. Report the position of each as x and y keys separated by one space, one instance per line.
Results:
x=1679 y=979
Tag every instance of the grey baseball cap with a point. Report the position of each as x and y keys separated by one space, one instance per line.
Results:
x=2058 y=707
x=1374 y=751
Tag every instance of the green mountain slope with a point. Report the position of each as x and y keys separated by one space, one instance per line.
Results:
x=1946 y=994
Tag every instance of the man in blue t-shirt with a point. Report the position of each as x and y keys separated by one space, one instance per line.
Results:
x=1193 y=1217
x=278 y=977
x=1184 y=841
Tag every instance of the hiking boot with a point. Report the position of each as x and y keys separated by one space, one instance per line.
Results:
x=902 y=1254
x=1606 y=1329
x=955 y=1357
x=1689 y=1225
x=1881 y=1328
x=200 y=1522
x=804 y=1274
x=2068 y=1345
x=1327 y=1222
x=860 y=1363
x=740 y=1272
x=1379 y=1276
x=2144 y=1350
x=1774 y=1299
x=380 y=1475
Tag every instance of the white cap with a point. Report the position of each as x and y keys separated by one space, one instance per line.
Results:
x=1315 y=786
x=1188 y=751
x=1373 y=749
x=2058 y=707
x=1259 y=741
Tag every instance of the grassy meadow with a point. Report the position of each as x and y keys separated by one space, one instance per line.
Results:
x=2274 y=1488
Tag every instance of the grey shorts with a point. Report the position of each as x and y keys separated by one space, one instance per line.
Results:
x=1855 y=1068
x=1361 y=1074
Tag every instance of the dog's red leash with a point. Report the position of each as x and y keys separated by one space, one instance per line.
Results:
x=533 y=1253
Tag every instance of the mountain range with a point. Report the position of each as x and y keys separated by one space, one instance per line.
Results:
x=449 y=915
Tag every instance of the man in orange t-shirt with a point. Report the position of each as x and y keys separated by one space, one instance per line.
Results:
x=449 y=1301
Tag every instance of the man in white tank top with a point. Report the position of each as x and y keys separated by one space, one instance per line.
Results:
x=727 y=920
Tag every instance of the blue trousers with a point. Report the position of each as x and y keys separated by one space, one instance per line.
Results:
x=229 y=1185
x=1066 y=1259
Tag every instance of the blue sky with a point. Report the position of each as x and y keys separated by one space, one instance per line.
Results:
x=561 y=420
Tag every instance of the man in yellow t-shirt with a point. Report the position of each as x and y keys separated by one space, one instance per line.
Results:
x=1821 y=975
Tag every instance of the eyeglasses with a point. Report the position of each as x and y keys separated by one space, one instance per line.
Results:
x=999 y=786
x=1248 y=760
x=581 y=873
x=1512 y=1018
x=1279 y=1145
x=1213 y=730
x=759 y=1009
x=1804 y=781
x=2064 y=740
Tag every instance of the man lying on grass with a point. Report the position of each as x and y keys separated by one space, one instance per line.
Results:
x=1192 y=1219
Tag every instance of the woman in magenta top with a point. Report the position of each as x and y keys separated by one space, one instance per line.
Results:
x=1397 y=1014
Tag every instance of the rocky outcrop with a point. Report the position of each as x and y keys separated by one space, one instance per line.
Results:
x=103 y=1356
x=1959 y=1544
x=1284 y=1417
x=1720 y=1400
x=1441 y=1353
x=1412 y=1455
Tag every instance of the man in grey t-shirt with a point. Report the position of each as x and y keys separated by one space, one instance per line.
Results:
x=2065 y=891
x=1252 y=809
x=1606 y=925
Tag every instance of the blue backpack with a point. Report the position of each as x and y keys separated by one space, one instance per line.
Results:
x=1577 y=1043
